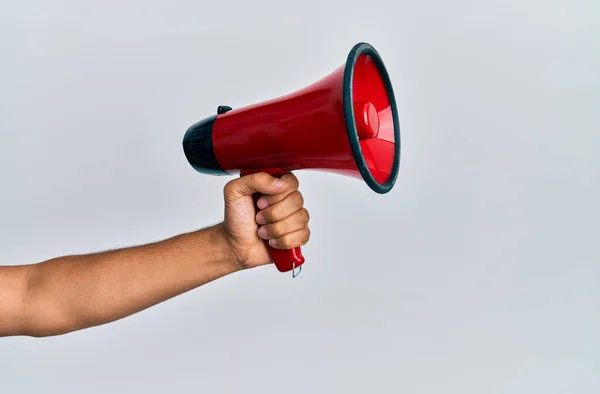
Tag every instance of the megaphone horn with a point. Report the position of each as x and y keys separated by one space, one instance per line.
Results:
x=346 y=123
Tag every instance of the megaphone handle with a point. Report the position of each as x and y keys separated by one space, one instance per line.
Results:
x=285 y=259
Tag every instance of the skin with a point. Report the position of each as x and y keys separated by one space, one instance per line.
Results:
x=70 y=293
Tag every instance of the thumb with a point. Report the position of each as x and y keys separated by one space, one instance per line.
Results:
x=259 y=182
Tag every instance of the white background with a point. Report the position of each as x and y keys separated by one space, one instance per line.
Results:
x=478 y=273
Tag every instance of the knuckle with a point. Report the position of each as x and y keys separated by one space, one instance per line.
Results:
x=305 y=216
x=286 y=226
x=293 y=180
x=305 y=236
x=288 y=241
x=261 y=178
x=278 y=229
x=228 y=188
x=275 y=213
x=278 y=212
x=299 y=198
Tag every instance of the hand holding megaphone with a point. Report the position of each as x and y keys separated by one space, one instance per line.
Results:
x=346 y=123
x=264 y=209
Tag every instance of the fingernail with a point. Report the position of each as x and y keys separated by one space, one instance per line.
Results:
x=278 y=183
x=260 y=219
x=273 y=242
x=262 y=203
x=262 y=232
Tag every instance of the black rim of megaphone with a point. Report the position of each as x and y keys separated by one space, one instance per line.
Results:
x=367 y=49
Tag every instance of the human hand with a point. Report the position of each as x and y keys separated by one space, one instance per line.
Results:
x=281 y=219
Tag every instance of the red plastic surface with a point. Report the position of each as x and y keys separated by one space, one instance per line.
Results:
x=368 y=86
x=307 y=130
x=285 y=259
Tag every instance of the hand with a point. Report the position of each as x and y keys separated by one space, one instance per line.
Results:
x=282 y=219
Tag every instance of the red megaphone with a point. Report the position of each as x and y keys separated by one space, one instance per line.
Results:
x=346 y=123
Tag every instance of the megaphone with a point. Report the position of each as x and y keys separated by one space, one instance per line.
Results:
x=345 y=123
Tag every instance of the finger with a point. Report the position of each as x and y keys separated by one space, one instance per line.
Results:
x=259 y=182
x=291 y=203
x=296 y=221
x=293 y=185
x=291 y=240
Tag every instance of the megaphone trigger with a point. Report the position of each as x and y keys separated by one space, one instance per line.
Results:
x=294 y=274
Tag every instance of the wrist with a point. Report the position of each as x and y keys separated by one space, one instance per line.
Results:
x=224 y=247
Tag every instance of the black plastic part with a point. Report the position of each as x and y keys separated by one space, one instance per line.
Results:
x=198 y=147
x=221 y=109
x=367 y=49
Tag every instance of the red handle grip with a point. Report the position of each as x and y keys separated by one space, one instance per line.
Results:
x=285 y=259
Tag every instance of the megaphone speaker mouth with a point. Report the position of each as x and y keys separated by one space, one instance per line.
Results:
x=371 y=118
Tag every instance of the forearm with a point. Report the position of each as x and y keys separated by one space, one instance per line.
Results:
x=74 y=292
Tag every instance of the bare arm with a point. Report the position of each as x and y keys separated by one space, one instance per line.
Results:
x=13 y=289
x=75 y=292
